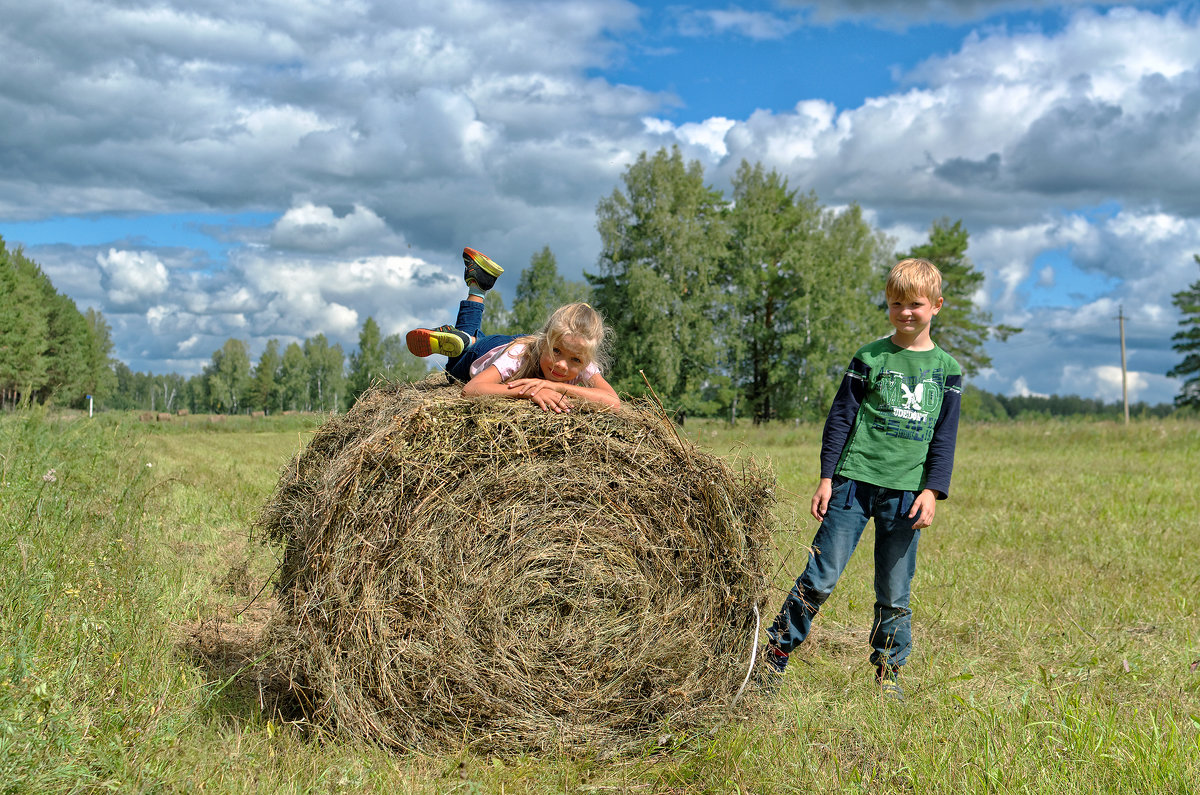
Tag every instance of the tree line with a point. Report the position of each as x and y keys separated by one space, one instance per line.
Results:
x=310 y=376
x=50 y=352
x=747 y=305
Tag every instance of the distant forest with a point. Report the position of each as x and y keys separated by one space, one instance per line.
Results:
x=52 y=354
x=746 y=306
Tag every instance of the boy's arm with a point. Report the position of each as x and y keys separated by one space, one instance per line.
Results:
x=840 y=421
x=939 y=462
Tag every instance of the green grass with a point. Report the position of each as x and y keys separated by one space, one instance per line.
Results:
x=1055 y=615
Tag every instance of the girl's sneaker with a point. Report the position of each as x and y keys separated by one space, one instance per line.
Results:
x=446 y=340
x=479 y=271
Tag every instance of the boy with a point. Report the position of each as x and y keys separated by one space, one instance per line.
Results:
x=886 y=453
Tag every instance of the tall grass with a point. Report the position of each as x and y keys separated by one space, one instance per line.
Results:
x=1055 y=614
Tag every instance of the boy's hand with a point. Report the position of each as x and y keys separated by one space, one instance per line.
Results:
x=923 y=509
x=820 y=500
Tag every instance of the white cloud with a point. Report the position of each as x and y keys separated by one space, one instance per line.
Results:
x=1103 y=382
x=311 y=228
x=389 y=135
x=759 y=25
x=130 y=277
x=1021 y=389
x=901 y=13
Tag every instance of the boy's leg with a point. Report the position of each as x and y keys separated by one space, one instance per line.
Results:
x=833 y=545
x=895 y=564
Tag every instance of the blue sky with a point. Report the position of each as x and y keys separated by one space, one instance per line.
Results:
x=844 y=63
x=200 y=172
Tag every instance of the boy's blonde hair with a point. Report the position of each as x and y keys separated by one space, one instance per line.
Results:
x=912 y=277
x=580 y=321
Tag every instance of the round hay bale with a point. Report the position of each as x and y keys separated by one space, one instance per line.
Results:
x=463 y=571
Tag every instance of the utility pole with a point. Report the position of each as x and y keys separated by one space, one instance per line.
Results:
x=1124 y=376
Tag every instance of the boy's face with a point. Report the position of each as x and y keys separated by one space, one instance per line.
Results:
x=911 y=315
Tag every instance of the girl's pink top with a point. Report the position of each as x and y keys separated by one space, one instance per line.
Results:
x=507 y=359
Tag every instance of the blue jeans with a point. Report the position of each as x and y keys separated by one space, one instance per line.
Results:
x=851 y=505
x=470 y=321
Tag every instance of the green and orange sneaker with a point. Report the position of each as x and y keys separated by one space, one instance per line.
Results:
x=480 y=271
x=446 y=340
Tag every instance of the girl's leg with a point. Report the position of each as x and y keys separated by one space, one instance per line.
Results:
x=895 y=564
x=460 y=366
x=470 y=317
x=833 y=545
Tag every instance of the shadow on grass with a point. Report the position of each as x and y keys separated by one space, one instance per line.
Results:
x=229 y=647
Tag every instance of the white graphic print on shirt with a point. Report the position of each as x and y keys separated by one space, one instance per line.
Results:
x=910 y=403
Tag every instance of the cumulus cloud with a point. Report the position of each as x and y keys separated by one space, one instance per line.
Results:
x=901 y=13
x=129 y=277
x=762 y=25
x=312 y=228
x=383 y=137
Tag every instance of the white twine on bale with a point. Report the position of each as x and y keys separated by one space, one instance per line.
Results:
x=753 y=657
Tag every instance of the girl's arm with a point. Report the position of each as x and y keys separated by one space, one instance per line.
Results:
x=599 y=391
x=488 y=383
x=548 y=395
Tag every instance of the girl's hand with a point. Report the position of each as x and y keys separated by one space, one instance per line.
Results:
x=548 y=395
x=531 y=386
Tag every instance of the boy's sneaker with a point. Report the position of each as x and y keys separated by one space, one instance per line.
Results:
x=888 y=679
x=777 y=658
x=480 y=271
x=446 y=340
x=769 y=675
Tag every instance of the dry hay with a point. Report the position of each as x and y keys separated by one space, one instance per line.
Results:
x=463 y=571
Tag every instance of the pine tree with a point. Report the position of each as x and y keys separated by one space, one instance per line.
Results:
x=68 y=365
x=1187 y=342
x=961 y=328
x=847 y=266
x=24 y=331
x=770 y=230
x=101 y=379
x=541 y=290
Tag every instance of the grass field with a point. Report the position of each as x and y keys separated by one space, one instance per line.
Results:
x=1055 y=613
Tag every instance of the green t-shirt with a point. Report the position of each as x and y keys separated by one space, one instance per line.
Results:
x=897 y=419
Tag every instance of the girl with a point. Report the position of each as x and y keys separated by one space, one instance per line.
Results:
x=560 y=362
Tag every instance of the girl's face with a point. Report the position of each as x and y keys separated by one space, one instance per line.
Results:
x=564 y=359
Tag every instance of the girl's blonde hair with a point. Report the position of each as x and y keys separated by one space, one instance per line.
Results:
x=580 y=321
